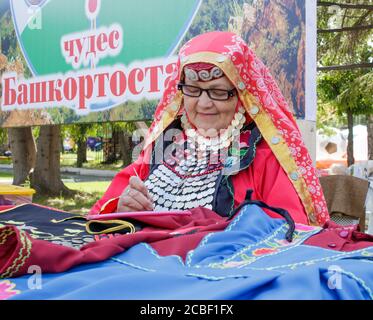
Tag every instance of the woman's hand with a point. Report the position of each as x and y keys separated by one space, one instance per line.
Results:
x=135 y=197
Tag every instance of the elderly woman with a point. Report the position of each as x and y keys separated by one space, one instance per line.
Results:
x=221 y=128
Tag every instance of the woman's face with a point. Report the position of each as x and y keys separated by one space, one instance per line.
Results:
x=205 y=113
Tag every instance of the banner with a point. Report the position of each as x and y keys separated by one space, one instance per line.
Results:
x=96 y=61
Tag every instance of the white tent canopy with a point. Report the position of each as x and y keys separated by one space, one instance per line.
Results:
x=335 y=147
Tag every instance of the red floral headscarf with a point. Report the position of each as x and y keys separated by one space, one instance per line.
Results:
x=262 y=100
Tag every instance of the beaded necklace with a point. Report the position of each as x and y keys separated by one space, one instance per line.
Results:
x=189 y=178
x=218 y=142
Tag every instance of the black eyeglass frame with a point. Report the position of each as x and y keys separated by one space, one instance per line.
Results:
x=231 y=93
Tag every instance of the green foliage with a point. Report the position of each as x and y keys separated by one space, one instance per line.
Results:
x=347 y=90
x=332 y=84
x=3 y=136
x=213 y=15
x=328 y=116
x=35 y=132
x=81 y=131
x=148 y=108
x=84 y=130
x=342 y=47
x=123 y=126
x=9 y=43
x=339 y=91
x=358 y=96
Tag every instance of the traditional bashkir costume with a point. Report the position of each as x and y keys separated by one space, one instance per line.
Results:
x=262 y=149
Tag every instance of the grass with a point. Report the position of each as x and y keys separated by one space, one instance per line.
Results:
x=69 y=160
x=81 y=203
x=87 y=195
x=6 y=175
x=5 y=160
x=94 y=161
x=89 y=187
x=87 y=192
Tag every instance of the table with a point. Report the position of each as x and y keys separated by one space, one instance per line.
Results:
x=15 y=195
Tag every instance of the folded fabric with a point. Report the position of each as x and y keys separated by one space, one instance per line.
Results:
x=201 y=256
x=19 y=249
x=109 y=226
x=341 y=238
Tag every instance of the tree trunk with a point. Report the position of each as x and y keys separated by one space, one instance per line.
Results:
x=22 y=146
x=350 y=145
x=125 y=147
x=62 y=147
x=370 y=136
x=46 y=178
x=109 y=151
x=81 y=152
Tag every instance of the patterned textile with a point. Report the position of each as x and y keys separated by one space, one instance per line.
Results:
x=343 y=219
x=203 y=72
x=248 y=258
x=49 y=224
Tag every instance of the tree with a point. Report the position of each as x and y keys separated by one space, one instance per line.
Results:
x=21 y=141
x=125 y=130
x=121 y=133
x=23 y=149
x=80 y=133
x=46 y=178
x=358 y=97
x=344 y=33
x=343 y=93
x=370 y=136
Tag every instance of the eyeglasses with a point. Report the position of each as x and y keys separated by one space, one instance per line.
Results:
x=214 y=94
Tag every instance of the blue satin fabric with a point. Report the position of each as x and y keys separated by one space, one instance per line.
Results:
x=250 y=259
